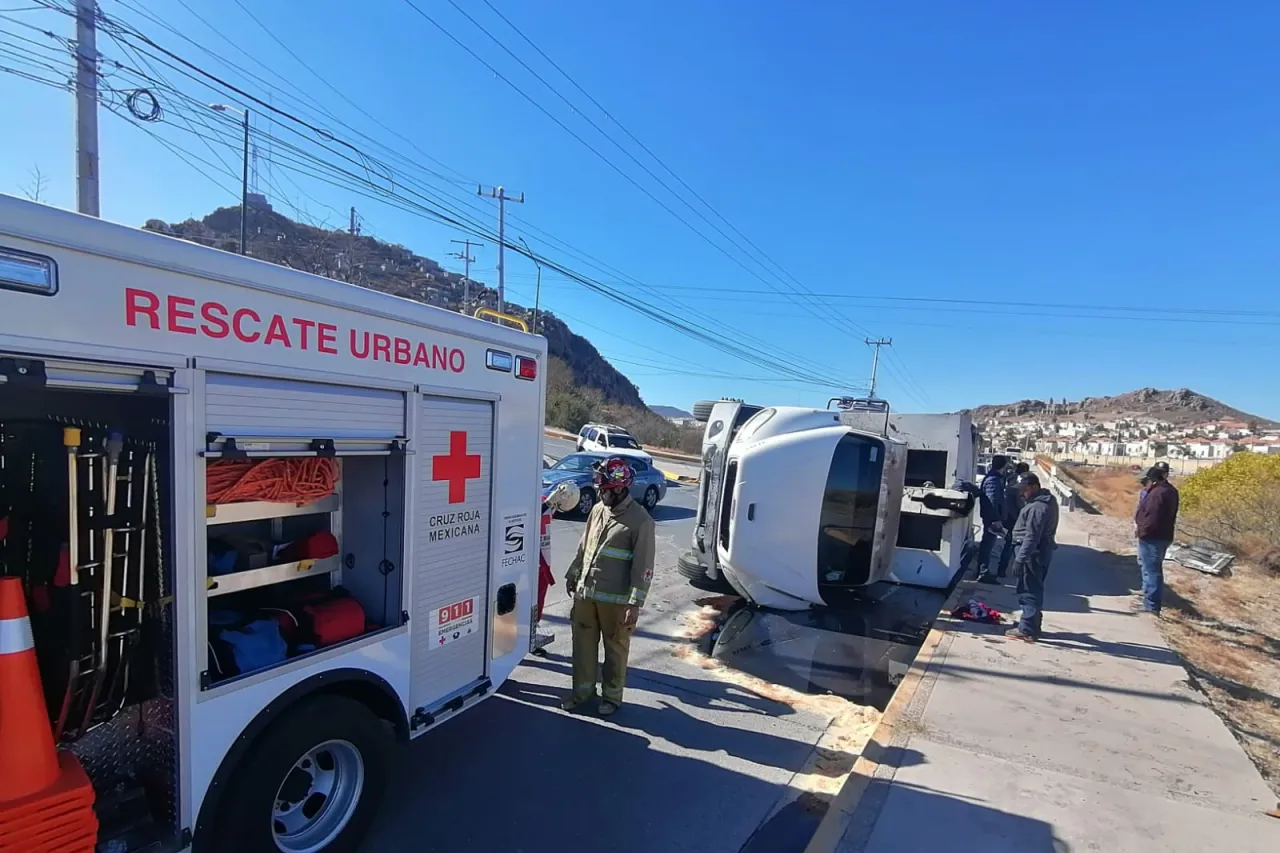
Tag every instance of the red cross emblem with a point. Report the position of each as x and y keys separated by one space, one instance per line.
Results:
x=457 y=467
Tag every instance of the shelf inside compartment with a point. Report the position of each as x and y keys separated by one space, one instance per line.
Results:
x=258 y=510
x=268 y=575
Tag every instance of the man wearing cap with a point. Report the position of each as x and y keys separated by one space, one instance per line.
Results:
x=1154 y=523
x=990 y=507
x=1034 y=539
x=1012 y=506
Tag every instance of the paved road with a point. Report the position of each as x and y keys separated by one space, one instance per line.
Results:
x=691 y=763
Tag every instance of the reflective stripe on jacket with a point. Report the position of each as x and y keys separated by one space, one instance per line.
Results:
x=614 y=563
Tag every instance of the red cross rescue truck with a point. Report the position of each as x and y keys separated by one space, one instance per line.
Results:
x=256 y=527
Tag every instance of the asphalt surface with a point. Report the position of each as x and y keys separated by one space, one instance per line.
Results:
x=690 y=763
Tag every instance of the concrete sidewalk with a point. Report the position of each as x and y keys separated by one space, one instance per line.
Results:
x=1091 y=739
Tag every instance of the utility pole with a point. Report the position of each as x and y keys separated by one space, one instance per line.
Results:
x=87 y=107
x=467 y=260
x=354 y=228
x=875 y=361
x=501 y=195
x=537 y=292
x=244 y=175
x=244 y=192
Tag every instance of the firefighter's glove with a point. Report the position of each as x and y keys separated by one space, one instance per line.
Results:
x=631 y=616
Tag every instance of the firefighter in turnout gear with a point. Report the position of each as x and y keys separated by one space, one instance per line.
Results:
x=609 y=579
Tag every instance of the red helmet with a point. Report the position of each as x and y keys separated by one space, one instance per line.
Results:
x=614 y=473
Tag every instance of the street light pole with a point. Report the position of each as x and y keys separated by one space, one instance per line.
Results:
x=244 y=180
x=537 y=292
x=244 y=190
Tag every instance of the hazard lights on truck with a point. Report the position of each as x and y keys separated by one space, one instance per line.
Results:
x=495 y=359
x=526 y=368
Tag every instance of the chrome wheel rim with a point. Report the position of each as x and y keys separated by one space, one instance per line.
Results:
x=317 y=798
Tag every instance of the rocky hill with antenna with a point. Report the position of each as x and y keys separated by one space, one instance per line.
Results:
x=1180 y=407
x=391 y=268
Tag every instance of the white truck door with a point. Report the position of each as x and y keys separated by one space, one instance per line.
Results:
x=450 y=585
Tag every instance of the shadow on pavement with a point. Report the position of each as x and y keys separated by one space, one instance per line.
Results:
x=669 y=512
x=553 y=782
x=1075 y=575
x=696 y=693
x=912 y=818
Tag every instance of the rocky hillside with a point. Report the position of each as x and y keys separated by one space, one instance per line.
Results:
x=1182 y=407
x=369 y=262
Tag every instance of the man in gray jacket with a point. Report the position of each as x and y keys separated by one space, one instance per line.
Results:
x=1034 y=539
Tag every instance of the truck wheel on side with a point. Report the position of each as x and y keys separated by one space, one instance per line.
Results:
x=311 y=782
x=702 y=410
x=688 y=566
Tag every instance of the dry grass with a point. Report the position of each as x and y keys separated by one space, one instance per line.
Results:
x=1227 y=631
x=1112 y=491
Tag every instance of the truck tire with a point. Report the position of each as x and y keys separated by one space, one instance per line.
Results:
x=311 y=782
x=702 y=410
x=688 y=566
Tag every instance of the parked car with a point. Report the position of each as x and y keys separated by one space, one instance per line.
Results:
x=650 y=485
x=613 y=439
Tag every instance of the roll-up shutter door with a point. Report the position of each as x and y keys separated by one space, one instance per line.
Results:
x=83 y=375
x=256 y=406
x=451 y=554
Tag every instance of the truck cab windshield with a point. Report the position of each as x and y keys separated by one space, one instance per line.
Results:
x=849 y=510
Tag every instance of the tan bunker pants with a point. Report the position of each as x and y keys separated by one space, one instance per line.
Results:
x=594 y=621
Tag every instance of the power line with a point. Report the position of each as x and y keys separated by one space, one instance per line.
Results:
x=388 y=194
x=947 y=305
x=798 y=287
x=471 y=207
x=285 y=46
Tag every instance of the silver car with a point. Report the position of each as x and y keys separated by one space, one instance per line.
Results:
x=650 y=485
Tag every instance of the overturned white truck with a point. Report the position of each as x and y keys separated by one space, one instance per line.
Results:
x=800 y=507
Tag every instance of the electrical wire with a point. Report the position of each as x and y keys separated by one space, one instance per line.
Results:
x=639 y=284
x=839 y=322
x=434 y=209
x=716 y=342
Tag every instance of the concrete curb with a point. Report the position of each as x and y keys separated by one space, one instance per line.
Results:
x=841 y=811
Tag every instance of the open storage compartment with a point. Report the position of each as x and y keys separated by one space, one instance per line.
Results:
x=304 y=530
x=86 y=492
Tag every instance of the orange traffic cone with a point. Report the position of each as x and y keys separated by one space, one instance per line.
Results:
x=46 y=800
x=28 y=761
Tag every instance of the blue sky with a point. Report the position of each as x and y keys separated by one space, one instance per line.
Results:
x=1024 y=158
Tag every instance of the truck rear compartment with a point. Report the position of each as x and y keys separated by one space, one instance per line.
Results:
x=109 y=684
x=303 y=554
x=303 y=548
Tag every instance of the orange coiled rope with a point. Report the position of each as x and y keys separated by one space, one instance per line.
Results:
x=289 y=480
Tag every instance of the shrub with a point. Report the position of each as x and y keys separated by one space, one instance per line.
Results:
x=1236 y=502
